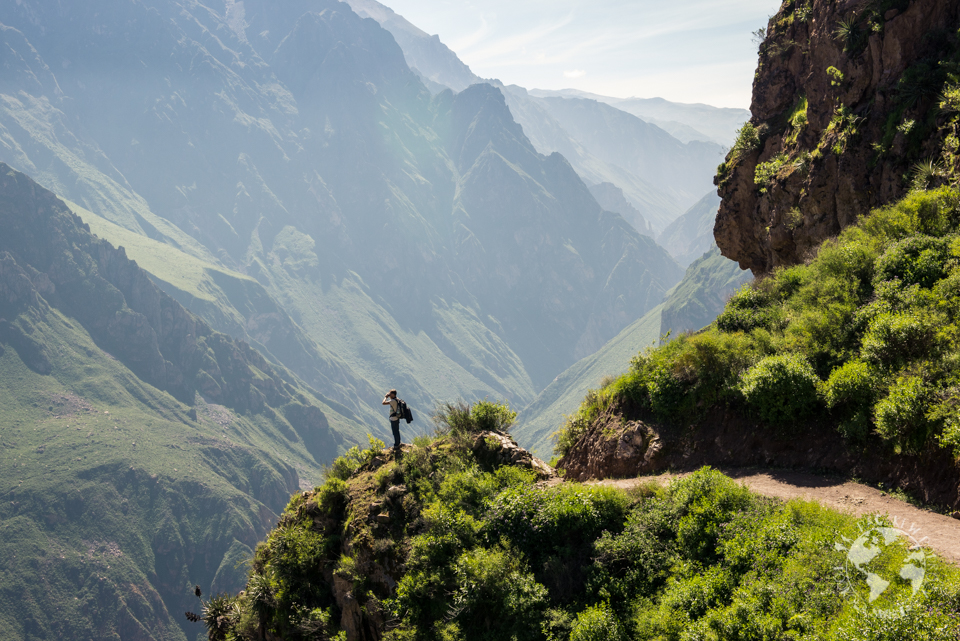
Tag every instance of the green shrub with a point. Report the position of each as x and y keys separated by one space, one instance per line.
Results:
x=893 y=339
x=459 y=418
x=747 y=309
x=539 y=520
x=748 y=140
x=781 y=388
x=453 y=418
x=497 y=597
x=471 y=489
x=766 y=172
x=344 y=466
x=597 y=623
x=917 y=260
x=906 y=623
x=932 y=213
x=332 y=495
x=850 y=393
x=636 y=562
x=901 y=417
x=704 y=502
x=493 y=416
x=668 y=392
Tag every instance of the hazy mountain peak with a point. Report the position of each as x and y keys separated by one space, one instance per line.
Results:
x=423 y=52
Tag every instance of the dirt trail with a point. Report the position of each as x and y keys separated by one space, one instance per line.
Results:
x=938 y=532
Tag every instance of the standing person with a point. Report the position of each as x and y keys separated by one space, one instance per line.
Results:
x=391 y=400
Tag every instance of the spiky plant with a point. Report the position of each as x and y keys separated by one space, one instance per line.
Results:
x=220 y=614
x=950 y=99
x=847 y=32
x=261 y=597
x=924 y=174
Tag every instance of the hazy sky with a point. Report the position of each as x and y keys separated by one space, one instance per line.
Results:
x=685 y=50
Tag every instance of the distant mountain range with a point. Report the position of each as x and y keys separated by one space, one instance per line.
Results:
x=650 y=149
x=684 y=121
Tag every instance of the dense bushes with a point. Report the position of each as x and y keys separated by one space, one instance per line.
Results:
x=486 y=556
x=780 y=388
x=864 y=337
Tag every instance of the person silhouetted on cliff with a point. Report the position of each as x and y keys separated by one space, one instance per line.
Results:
x=394 y=403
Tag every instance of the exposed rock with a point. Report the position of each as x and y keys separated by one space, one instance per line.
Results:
x=493 y=449
x=862 y=135
x=624 y=442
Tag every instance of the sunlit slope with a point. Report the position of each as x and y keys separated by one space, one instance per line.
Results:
x=692 y=304
x=140 y=449
x=238 y=305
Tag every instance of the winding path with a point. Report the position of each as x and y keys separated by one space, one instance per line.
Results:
x=938 y=532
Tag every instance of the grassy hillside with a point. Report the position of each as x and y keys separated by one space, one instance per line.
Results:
x=238 y=305
x=141 y=451
x=450 y=542
x=115 y=499
x=697 y=300
x=862 y=338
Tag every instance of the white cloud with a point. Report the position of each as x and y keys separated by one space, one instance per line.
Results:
x=576 y=73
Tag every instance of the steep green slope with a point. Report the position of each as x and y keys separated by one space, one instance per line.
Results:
x=700 y=297
x=454 y=541
x=848 y=362
x=141 y=450
x=238 y=305
x=693 y=304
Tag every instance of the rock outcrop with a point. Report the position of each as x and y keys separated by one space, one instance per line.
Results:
x=846 y=104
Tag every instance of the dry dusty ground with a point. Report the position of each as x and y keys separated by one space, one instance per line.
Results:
x=938 y=532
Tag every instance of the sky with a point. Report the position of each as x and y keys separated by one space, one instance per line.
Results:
x=684 y=50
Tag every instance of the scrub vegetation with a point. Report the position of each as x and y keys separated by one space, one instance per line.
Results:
x=437 y=545
x=863 y=336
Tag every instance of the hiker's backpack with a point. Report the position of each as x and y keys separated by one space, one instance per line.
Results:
x=404 y=411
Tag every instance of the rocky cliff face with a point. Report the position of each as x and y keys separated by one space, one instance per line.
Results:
x=848 y=110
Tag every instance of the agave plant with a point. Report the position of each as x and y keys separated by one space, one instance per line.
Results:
x=924 y=173
x=220 y=614
x=848 y=32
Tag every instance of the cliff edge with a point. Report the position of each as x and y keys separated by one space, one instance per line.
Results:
x=853 y=104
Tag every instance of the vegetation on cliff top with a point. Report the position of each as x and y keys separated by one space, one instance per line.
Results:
x=864 y=336
x=452 y=541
